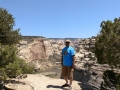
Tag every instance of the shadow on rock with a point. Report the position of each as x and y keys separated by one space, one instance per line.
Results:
x=82 y=75
x=54 y=86
x=14 y=82
x=86 y=86
x=86 y=79
x=2 y=87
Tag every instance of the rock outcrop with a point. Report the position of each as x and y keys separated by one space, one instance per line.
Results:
x=32 y=48
x=40 y=82
x=39 y=49
x=35 y=49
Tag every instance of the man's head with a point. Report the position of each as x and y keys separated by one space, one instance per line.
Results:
x=67 y=42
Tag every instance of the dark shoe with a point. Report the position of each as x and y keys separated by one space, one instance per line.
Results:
x=65 y=85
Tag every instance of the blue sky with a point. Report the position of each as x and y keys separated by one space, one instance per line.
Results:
x=61 y=18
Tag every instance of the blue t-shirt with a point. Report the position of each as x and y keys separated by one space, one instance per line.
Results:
x=67 y=53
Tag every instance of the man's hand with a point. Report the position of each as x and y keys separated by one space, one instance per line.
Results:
x=73 y=66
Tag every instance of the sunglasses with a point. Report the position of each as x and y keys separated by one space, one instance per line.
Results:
x=67 y=42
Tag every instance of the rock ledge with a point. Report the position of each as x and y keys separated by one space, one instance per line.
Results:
x=40 y=82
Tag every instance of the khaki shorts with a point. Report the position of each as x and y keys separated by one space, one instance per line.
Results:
x=67 y=71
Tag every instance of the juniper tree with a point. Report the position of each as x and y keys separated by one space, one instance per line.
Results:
x=8 y=35
x=107 y=46
x=10 y=64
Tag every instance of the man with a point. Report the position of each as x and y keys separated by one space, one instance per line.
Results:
x=67 y=62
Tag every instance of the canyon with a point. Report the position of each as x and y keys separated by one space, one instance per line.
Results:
x=45 y=53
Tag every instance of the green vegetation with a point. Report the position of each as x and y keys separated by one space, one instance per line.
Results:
x=10 y=64
x=107 y=50
x=111 y=80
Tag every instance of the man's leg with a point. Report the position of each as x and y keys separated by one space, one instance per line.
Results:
x=71 y=80
x=64 y=74
x=70 y=70
x=66 y=79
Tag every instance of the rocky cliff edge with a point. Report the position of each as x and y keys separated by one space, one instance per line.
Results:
x=40 y=82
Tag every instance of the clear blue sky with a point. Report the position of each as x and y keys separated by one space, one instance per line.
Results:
x=61 y=18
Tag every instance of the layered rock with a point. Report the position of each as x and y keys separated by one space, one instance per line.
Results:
x=37 y=48
x=87 y=71
x=31 y=48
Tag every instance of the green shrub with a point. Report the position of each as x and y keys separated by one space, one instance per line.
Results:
x=107 y=50
x=111 y=79
x=11 y=65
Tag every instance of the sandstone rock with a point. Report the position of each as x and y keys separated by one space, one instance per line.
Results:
x=37 y=49
x=48 y=48
x=41 y=65
x=34 y=50
x=18 y=87
x=40 y=82
x=41 y=48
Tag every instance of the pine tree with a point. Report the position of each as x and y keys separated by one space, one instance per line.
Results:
x=8 y=36
x=107 y=47
x=10 y=64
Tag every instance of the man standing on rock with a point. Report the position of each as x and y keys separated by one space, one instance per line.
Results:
x=67 y=62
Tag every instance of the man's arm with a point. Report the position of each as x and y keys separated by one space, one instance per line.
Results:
x=62 y=60
x=73 y=65
x=73 y=57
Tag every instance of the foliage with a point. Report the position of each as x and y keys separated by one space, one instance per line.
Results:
x=3 y=75
x=107 y=46
x=111 y=79
x=7 y=34
x=26 y=67
x=107 y=50
x=7 y=55
x=10 y=64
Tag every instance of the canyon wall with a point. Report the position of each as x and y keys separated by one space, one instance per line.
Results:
x=87 y=70
x=40 y=48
